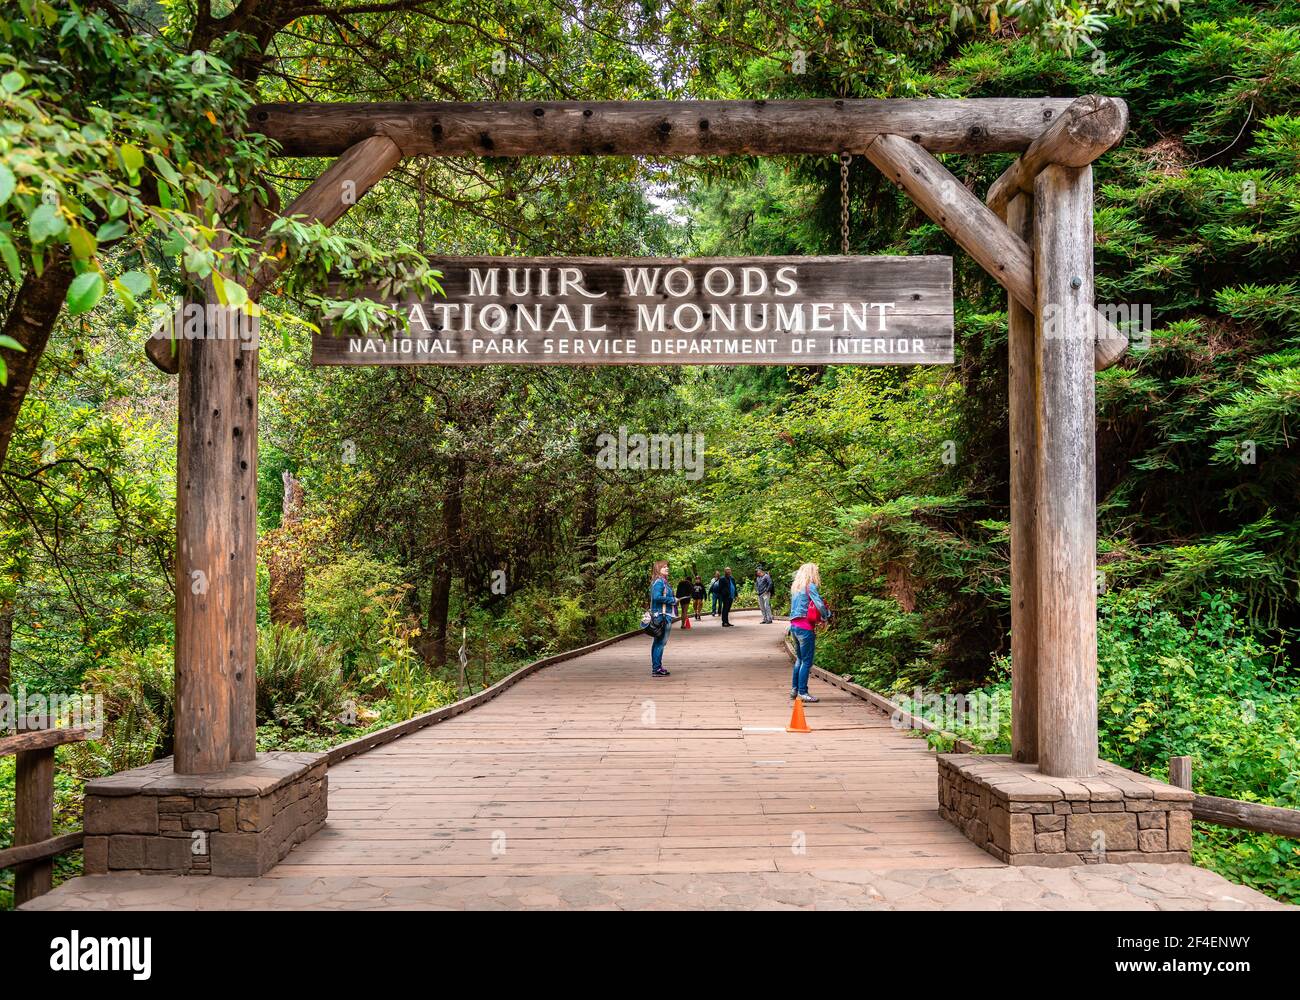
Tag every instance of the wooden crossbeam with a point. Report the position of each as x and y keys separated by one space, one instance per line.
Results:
x=977 y=230
x=657 y=128
x=41 y=739
x=1088 y=128
x=40 y=851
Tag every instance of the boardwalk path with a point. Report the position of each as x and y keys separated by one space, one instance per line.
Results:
x=593 y=784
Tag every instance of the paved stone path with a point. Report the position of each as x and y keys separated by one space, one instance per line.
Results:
x=1092 y=887
x=593 y=785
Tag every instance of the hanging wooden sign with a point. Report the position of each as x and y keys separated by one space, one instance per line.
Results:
x=733 y=311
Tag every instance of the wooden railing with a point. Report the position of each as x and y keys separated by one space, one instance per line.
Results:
x=35 y=846
x=396 y=731
x=1253 y=816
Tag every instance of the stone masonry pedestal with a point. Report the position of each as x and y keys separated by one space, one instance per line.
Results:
x=1023 y=817
x=240 y=822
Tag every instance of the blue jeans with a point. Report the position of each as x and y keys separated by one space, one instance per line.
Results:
x=657 y=648
x=804 y=644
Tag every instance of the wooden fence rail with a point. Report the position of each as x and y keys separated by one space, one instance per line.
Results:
x=35 y=846
x=1253 y=816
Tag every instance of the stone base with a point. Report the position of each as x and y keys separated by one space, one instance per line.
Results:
x=240 y=822
x=1023 y=817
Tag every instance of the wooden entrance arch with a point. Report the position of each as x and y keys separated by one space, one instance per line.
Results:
x=1033 y=234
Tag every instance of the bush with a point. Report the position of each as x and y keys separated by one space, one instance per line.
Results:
x=350 y=603
x=1197 y=683
x=299 y=679
x=138 y=690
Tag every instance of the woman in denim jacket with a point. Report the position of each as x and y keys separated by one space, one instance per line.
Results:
x=803 y=594
x=662 y=602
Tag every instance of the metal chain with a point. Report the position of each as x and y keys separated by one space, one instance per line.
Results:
x=845 y=159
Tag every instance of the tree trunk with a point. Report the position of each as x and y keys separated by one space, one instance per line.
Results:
x=6 y=650
x=449 y=565
x=285 y=559
x=30 y=322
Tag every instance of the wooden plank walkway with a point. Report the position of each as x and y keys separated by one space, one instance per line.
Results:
x=593 y=766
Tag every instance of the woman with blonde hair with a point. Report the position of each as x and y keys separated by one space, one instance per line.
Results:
x=806 y=609
x=662 y=602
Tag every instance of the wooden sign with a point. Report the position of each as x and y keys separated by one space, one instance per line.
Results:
x=640 y=310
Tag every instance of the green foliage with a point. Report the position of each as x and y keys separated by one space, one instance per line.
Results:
x=352 y=602
x=138 y=692
x=1200 y=683
x=299 y=679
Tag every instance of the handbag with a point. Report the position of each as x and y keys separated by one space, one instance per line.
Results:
x=814 y=615
x=653 y=625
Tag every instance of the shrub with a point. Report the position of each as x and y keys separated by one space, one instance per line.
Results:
x=299 y=679
x=138 y=690
x=350 y=602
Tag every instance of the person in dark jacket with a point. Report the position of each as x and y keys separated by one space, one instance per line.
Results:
x=713 y=593
x=685 y=591
x=697 y=593
x=726 y=594
x=763 y=587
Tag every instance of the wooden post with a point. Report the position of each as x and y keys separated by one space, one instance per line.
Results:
x=1180 y=772
x=33 y=820
x=1089 y=127
x=1022 y=393
x=1066 y=477
x=216 y=495
x=216 y=491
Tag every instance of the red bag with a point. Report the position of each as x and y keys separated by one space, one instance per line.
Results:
x=813 y=615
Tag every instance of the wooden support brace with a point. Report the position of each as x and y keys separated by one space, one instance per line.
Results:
x=977 y=230
x=325 y=201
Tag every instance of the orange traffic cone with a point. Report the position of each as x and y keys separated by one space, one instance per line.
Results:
x=686 y=622
x=798 y=724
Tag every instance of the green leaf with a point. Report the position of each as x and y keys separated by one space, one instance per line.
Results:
x=83 y=244
x=137 y=282
x=10 y=256
x=12 y=81
x=169 y=172
x=45 y=223
x=132 y=158
x=6 y=183
x=9 y=343
x=124 y=295
x=111 y=231
x=84 y=292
